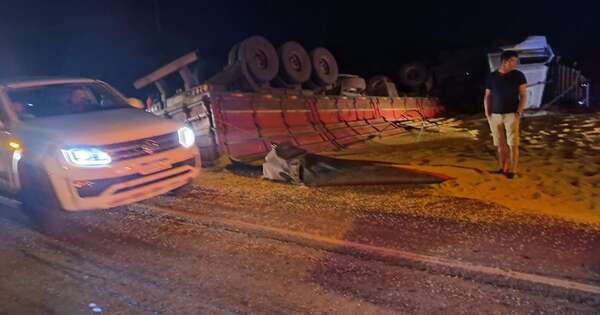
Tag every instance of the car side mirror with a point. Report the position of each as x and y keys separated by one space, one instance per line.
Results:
x=136 y=103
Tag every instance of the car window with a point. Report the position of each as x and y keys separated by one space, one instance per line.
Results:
x=63 y=99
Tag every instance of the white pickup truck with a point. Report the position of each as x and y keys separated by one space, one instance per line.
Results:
x=77 y=144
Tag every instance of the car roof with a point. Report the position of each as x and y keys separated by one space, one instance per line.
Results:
x=22 y=82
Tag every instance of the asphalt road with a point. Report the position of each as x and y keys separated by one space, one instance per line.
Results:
x=193 y=256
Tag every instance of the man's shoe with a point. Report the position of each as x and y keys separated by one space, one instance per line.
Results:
x=511 y=175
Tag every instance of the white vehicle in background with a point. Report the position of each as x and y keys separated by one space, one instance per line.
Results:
x=534 y=56
x=77 y=144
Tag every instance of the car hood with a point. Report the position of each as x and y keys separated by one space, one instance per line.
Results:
x=98 y=128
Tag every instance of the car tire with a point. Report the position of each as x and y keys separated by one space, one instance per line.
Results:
x=38 y=198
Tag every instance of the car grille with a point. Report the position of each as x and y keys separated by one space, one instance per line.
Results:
x=142 y=147
x=97 y=187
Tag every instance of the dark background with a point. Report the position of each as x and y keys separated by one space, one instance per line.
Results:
x=119 y=41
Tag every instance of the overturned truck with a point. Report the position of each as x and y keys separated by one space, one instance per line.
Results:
x=265 y=96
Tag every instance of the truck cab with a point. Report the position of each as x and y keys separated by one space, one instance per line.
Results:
x=76 y=144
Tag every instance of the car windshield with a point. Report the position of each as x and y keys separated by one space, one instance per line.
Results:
x=63 y=99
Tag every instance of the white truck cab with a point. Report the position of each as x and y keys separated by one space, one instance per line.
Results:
x=76 y=144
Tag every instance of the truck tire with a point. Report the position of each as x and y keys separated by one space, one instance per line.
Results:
x=324 y=67
x=233 y=54
x=260 y=58
x=295 y=66
x=352 y=84
x=376 y=82
x=413 y=74
x=378 y=86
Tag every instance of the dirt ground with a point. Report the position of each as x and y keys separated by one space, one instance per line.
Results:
x=140 y=260
x=559 y=171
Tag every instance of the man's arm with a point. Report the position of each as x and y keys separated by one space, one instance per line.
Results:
x=522 y=98
x=487 y=102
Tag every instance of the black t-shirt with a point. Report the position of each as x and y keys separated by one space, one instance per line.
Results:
x=505 y=90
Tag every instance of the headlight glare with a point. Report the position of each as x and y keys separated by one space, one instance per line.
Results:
x=86 y=156
x=186 y=136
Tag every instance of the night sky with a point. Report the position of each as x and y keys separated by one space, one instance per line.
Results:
x=119 y=41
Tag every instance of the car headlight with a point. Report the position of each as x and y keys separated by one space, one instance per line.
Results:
x=186 y=136
x=87 y=156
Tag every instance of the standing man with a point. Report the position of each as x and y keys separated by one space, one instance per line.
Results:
x=504 y=102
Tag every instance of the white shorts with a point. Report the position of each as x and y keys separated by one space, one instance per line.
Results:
x=505 y=128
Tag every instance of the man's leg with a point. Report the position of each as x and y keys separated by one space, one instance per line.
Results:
x=512 y=136
x=504 y=152
x=502 y=157
x=514 y=158
x=499 y=138
x=499 y=156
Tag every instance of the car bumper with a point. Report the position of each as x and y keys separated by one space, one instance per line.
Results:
x=125 y=182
